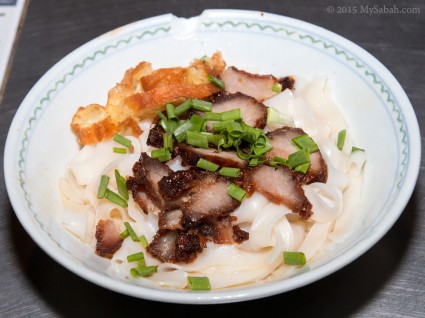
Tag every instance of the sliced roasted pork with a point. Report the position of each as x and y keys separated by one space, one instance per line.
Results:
x=221 y=231
x=108 y=239
x=170 y=220
x=191 y=155
x=279 y=185
x=175 y=246
x=200 y=194
x=281 y=140
x=147 y=172
x=257 y=86
x=155 y=137
x=253 y=112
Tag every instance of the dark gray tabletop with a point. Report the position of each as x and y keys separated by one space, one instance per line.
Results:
x=387 y=281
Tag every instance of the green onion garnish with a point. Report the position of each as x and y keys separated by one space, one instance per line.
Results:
x=180 y=132
x=168 y=141
x=354 y=149
x=254 y=162
x=124 y=234
x=216 y=81
x=294 y=258
x=119 y=150
x=198 y=283
x=207 y=165
x=276 y=117
x=304 y=141
x=161 y=154
x=277 y=88
x=183 y=107
x=130 y=230
x=122 y=140
x=230 y=172
x=201 y=105
x=103 y=184
x=341 y=139
x=115 y=198
x=219 y=126
x=141 y=263
x=121 y=185
x=234 y=129
x=234 y=114
x=213 y=116
x=298 y=158
x=168 y=125
x=143 y=271
x=302 y=168
x=259 y=151
x=236 y=192
x=197 y=139
x=143 y=241
x=135 y=257
x=197 y=122
x=170 y=111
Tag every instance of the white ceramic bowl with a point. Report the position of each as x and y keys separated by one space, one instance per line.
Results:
x=40 y=143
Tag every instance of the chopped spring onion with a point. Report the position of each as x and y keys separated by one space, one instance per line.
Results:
x=143 y=240
x=197 y=122
x=165 y=123
x=162 y=154
x=354 y=149
x=250 y=134
x=236 y=192
x=121 y=185
x=219 y=126
x=103 y=184
x=183 y=107
x=216 y=140
x=135 y=257
x=119 y=150
x=234 y=114
x=304 y=141
x=294 y=258
x=213 y=116
x=201 y=105
x=124 y=234
x=341 y=139
x=234 y=129
x=170 y=111
x=276 y=117
x=122 y=140
x=230 y=172
x=197 y=139
x=254 y=162
x=115 y=198
x=277 y=88
x=280 y=160
x=302 y=168
x=168 y=141
x=180 y=132
x=198 y=283
x=130 y=230
x=143 y=271
x=259 y=151
x=141 y=263
x=207 y=165
x=216 y=81
x=298 y=158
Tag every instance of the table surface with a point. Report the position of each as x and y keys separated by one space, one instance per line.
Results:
x=387 y=281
